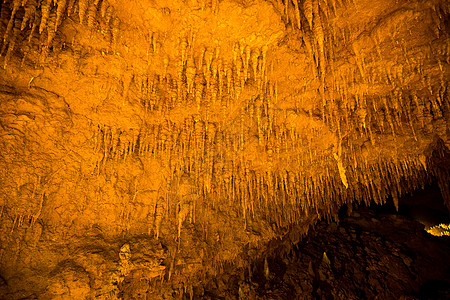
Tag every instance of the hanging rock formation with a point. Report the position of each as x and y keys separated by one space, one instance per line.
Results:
x=210 y=125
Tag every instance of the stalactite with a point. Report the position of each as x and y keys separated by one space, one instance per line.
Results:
x=45 y=9
x=239 y=67
x=30 y=13
x=238 y=89
x=362 y=114
x=318 y=28
x=182 y=214
x=165 y=139
x=388 y=115
x=254 y=60
x=134 y=139
x=220 y=74
x=109 y=13
x=142 y=142
x=4 y=15
x=9 y=28
x=337 y=154
x=190 y=73
x=209 y=56
x=199 y=132
x=246 y=61
x=115 y=142
x=297 y=14
x=309 y=41
x=91 y=15
x=213 y=84
x=60 y=12
x=83 y=6
x=51 y=29
x=127 y=79
x=260 y=79
x=216 y=153
x=103 y=8
x=12 y=42
x=155 y=42
x=159 y=215
x=71 y=7
x=308 y=11
x=199 y=90
x=129 y=145
x=106 y=143
x=228 y=69
x=115 y=30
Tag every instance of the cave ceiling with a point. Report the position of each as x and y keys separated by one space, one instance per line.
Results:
x=156 y=117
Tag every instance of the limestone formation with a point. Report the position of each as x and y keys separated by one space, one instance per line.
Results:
x=271 y=113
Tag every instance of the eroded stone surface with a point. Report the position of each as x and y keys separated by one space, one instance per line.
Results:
x=210 y=127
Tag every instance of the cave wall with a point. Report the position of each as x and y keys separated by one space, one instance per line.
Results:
x=211 y=125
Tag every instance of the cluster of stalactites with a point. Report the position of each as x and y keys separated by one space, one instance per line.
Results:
x=214 y=152
x=402 y=113
x=223 y=176
x=27 y=19
x=314 y=18
x=310 y=18
x=202 y=76
x=211 y=74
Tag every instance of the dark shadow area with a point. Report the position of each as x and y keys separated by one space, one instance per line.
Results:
x=371 y=253
x=425 y=206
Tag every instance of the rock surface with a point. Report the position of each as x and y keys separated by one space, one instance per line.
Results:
x=199 y=132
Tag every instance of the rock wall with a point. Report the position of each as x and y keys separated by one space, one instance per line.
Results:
x=210 y=126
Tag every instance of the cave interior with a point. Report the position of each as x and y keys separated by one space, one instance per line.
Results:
x=224 y=149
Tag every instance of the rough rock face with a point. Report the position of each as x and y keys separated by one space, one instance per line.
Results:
x=364 y=256
x=194 y=130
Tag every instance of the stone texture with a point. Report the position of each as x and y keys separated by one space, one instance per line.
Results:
x=202 y=132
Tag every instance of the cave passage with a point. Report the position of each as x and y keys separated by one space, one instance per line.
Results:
x=156 y=149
